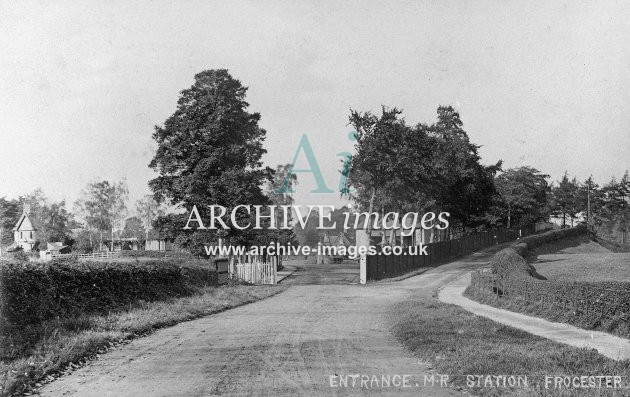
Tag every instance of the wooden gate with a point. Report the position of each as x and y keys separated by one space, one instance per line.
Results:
x=256 y=272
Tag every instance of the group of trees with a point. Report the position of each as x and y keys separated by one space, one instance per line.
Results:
x=53 y=220
x=103 y=212
x=209 y=153
x=400 y=167
x=608 y=204
x=100 y=214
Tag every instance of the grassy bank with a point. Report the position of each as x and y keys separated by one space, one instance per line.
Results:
x=458 y=343
x=615 y=325
x=37 y=353
x=566 y=278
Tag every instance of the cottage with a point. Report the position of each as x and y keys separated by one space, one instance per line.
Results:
x=331 y=253
x=24 y=232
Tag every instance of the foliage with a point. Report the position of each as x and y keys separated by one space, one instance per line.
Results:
x=209 y=153
x=401 y=168
x=148 y=210
x=102 y=207
x=564 y=202
x=522 y=196
x=590 y=302
x=32 y=292
x=280 y=196
x=308 y=235
x=9 y=213
x=52 y=219
x=133 y=228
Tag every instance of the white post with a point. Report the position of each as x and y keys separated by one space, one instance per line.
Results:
x=275 y=270
x=363 y=269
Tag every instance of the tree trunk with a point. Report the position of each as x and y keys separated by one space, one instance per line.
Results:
x=509 y=223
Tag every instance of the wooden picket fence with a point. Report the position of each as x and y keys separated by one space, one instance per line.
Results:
x=256 y=272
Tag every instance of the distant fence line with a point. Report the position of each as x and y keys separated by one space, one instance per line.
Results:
x=93 y=255
x=383 y=266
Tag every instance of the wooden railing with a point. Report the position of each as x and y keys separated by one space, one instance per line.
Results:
x=93 y=255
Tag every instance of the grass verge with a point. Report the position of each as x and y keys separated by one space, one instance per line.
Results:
x=458 y=343
x=571 y=264
x=546 y=309
x=61 y=345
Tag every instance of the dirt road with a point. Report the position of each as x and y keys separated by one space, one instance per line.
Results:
x=289 y=344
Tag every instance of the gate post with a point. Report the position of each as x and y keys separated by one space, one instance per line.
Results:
x=274 y=276
x=363 y=269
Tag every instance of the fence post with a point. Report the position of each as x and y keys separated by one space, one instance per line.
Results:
x=274 y=276
x=363 y=269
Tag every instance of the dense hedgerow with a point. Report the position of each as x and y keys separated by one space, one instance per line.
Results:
x=514 y=277
x=511 y=261
x=34 y=292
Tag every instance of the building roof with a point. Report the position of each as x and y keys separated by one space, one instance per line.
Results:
x=24 y=224
x=56 y=246
x=337 y=240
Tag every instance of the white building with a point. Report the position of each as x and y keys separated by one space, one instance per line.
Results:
x=24 y=232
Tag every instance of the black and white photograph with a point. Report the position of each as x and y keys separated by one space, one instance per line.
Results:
x=314 y=198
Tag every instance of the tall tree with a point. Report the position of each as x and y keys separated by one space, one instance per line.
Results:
x=466 y=186
x=209 y=152
x=397 y=167
x=134 y=228
x=522 y=195
x=10 y=211
x=564 y=197
x=103 y=207
x=589 y=199
x=279 y=189
x=389 y=167
x=55 y=222
x=148 y=210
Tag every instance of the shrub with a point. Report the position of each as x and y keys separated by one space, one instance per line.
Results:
x=513 y=276
x=33 y=292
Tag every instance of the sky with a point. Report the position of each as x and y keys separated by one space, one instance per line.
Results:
x=83 y=83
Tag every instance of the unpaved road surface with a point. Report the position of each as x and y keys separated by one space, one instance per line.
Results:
x=289 y=344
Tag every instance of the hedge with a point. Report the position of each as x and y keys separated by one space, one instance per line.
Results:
x=34 y=292
x=511 y=275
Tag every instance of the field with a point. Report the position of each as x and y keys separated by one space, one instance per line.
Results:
x=580 y=259
x=607 y=266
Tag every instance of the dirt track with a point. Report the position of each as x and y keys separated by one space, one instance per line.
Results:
x=289 y=344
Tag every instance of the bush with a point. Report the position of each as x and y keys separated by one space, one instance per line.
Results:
x=33 y=292
x=513 y=277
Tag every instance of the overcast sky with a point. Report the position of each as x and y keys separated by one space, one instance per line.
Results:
x=545 y=84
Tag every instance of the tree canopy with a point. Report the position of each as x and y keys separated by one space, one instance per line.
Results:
x=397 y=167
x=209 y=153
